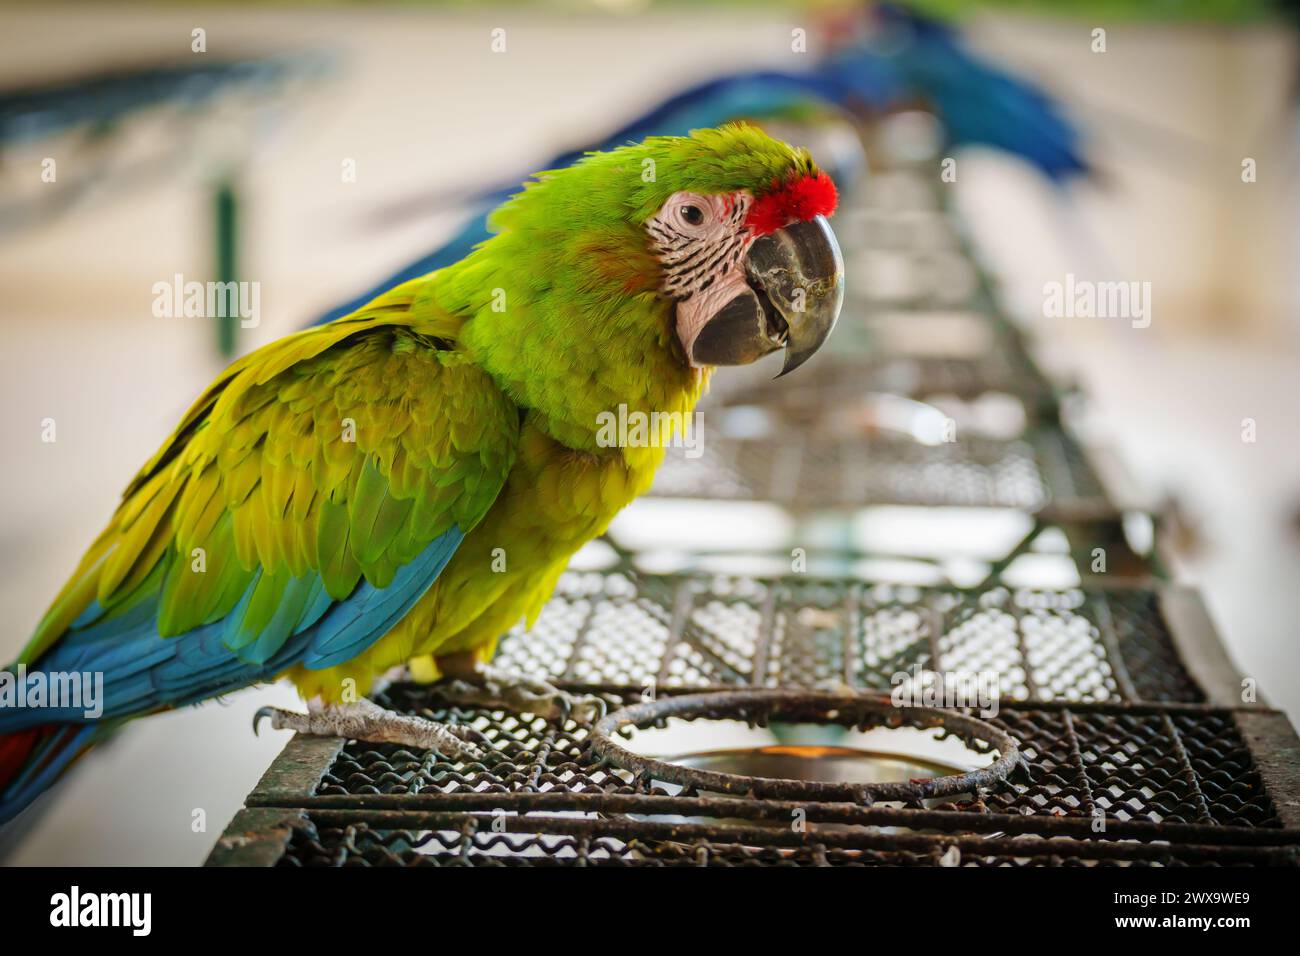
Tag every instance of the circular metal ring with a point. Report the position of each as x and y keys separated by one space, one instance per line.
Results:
x=760 y=706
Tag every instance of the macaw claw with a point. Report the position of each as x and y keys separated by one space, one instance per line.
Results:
x=366 y=720
x=262 y=714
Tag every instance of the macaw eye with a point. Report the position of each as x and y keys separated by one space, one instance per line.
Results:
x=692 y=215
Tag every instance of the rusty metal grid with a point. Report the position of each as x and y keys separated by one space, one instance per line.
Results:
x=1123 y=708
x=1148 y=764
x=1174 y=785
x=451 y=839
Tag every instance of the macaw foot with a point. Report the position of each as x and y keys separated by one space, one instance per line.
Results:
x=480 y=685
x=366 y=720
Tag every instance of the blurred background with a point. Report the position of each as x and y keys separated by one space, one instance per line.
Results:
x=316 y=149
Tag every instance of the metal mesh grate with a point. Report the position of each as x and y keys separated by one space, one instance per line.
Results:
x=1142 y=640
x=1102 y=785
x=1136 y=765
x=470 y=841
x=1168 y=783
x=1029 y=473
x=840 y=379
x=616 y=629
x=1143 y=764
x=1121 y=762
x=1124 y=761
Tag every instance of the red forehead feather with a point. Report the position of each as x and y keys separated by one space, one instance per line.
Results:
x=797 y=199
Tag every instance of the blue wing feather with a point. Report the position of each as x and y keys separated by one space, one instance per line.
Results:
x=143 y=671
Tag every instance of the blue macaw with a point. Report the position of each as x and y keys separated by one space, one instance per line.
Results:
x=978 y=103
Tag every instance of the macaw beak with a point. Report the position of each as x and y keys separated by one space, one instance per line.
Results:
x=794 y=290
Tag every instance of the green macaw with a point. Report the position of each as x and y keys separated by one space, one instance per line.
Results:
x=404 y=484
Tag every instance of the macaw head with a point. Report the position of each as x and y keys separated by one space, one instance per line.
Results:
x=738 y=228
x=719 y=238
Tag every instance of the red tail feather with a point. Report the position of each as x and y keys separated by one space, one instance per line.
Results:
x=16 y=748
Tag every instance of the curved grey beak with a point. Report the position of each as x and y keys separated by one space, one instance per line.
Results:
x=796 y=287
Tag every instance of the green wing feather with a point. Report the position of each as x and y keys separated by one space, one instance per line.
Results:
x=330 y=456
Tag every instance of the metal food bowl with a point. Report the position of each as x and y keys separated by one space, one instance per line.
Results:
x=849 y=765
x=802 y=771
